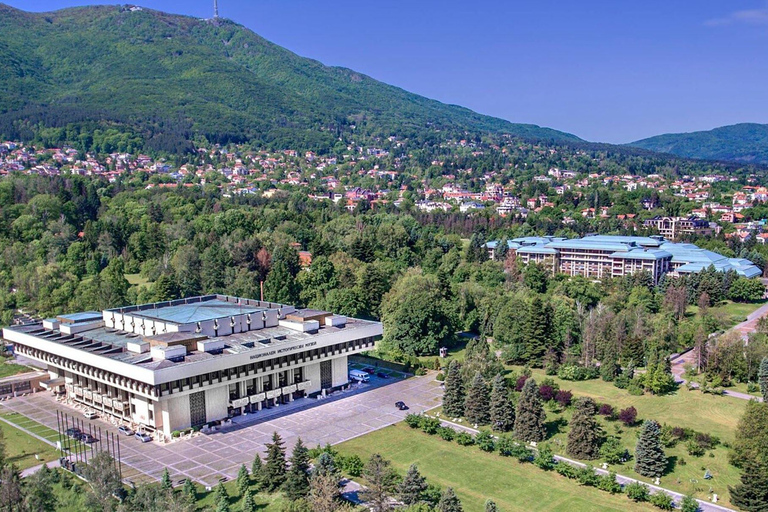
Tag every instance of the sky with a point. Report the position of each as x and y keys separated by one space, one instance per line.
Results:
x=605 y=70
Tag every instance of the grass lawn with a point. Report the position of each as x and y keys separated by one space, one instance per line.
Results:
x=717 y=415
x=264 y=502
x=31 y=425
x=136 y=279
x=20 y=448
x=477 y=476
x=733 y=312
x=7 y=369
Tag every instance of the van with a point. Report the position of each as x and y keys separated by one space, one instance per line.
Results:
x=359 y=376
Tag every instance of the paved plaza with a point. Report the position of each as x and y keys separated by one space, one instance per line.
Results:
x=208 y=458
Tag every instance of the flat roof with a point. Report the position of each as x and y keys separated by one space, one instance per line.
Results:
x=196 y=311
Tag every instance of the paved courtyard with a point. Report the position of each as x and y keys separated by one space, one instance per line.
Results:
x=207 y=458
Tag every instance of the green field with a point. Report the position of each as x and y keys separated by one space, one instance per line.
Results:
x=21 y=448
x=733 y=312
x=137 y=280
x=477 y=476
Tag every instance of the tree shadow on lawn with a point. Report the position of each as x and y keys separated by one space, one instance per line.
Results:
x=555 y=426
x=671 y=465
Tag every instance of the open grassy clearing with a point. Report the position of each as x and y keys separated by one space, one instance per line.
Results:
x=137 y=280
x=31 y=425
x=477 y=476
x=732 y=312
x=21 y=448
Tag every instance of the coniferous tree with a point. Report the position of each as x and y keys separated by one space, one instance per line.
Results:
x=243 y=480
x=477 y=403
x=490 y=506
x=165 y=483
x=381 y=480
x=502 y=408
x=411 y=489
x=584 y=435
x=39 y=496
x=189 y=491
x=249 y=505
x=257 y=468
x=762 y=378
x=650 y=459
x=453 y=397
x=296 y=484
x=536 y=331
x=449 y=502
x=530 y=415
x=220 y=493
x=752 y=493
x=273 y=473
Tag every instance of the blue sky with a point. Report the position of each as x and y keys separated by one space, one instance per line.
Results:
x=605 y=70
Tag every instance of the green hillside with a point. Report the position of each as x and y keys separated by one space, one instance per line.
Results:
x=162 y=79
x=745 y=142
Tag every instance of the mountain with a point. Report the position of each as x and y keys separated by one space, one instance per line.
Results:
x=745 y=143
x=163 y=79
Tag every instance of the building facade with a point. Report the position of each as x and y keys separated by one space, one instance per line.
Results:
x=600 y=256
x=674 y=227
x=184 y=363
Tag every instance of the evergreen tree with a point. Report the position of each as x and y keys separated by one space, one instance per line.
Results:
x=243 y=480
x=609 y=366
x=381 y=480
x=39 y=496
x=762 y=378
x=751 y=443
x=502 y=408
x=752 y=493
x=411 y=489
x=257 y=467
x=325 y=465
x=189 y=491
x=449 y=502
x=165 y=483
x=11 y=490
x=220 y=493
x=273 y=473
x=650 y=459
x=490 y=506
x=530 y=415
x=453 y=396
x=502 y=250
x=476 y=403
x=222 y=505
x=281 y=285
x=296 y=484
x=249 y=505
x=584 y=435
x=536 y=331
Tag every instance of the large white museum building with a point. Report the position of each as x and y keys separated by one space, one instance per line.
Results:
x=172 y=365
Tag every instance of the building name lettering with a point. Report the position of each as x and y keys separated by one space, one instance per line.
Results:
x=283 y=350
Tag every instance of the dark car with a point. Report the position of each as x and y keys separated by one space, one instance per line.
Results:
x=88 y=439
x=382 y=375
x=73 y=433
x=369 y=370
x=401 y=406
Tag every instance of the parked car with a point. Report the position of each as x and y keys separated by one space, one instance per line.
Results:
x=89 y=414
x=401 y=406
x=88 y=439
x=73 y=432
x=369 y=370
x=125 y=430
x=143 y=437
x=382 y=375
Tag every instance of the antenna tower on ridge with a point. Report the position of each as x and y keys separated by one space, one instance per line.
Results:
x=215 y=9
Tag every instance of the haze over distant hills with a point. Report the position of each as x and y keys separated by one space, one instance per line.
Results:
x=169 y=78
x=745 y=142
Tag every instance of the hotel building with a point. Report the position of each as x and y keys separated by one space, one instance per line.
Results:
x=172 y=365
x=602 y=256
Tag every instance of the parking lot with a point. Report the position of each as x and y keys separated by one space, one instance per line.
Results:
x=207 y=458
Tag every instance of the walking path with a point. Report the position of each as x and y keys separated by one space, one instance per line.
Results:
x=704 y=506
x=34 y=469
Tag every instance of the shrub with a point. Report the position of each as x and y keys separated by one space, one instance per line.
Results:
x=689 y=504
x=680 y=433
x=606 y=410
x=544 y=458
x=575 y=372
x=706 y=441
x=753 y=388
x=505 y=445
x=628 y=416
x=176 y=433
x=564 y=397
x=662 y=500
x=621 y=382
x=440 y=377
x=465 y=439
x=522 y=453
x=352 y=465
x=420 y=371
x=566 y=470
x=430 y=425
x=609 y=484
x=613 y=452
x=520 y=382
x=587 y=476
x=637 y=491
x=694 y=448
x=413 y=420
x=484 y=441
x=546 y=392
x=446 y=433
x=635 y=390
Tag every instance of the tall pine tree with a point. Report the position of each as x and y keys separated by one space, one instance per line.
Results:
x=584 y=435
x=273 y=473
x=502 y=408
x=449 y=502
x=650 y=459
x=411 y=489
x=477 y=402
x=296 y=484
x=530 y=415
x=752 y=493
x=453 y=397
x=536 y=333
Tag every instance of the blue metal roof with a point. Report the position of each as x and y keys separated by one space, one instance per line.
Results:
x=197 y=311
x=642 y=254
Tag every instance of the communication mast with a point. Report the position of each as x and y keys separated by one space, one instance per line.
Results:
x=215 y=9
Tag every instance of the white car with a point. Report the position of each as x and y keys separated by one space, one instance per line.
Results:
x=91 y=415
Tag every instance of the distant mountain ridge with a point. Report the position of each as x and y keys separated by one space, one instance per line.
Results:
x=744 y=143
x=169 y=78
